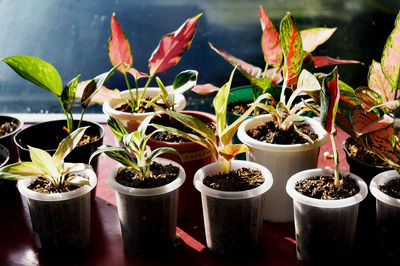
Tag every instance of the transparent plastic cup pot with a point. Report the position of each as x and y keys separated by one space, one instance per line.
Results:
x=387 y=218
x=325 y=229
x=148 y=216
x=283 y=161
x=233 y=220
x=60 y=221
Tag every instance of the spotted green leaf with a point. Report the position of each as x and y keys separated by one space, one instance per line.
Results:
x=270 y=42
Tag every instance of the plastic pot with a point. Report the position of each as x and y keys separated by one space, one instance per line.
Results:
x=325 y=229
x=4 y=155
x=131 y=121
x=60 y=221
x=194 y=157
x=233 y=220
x=148 y=216
x=8 y=139
x=283 y=161
x=388 y=217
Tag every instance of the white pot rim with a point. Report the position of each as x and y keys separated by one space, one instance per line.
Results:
x=381 y=179
x=260 y=119
x=320 y=203
x=214 y=168
x=30 y=194
x=110 y=105
x=145 y=192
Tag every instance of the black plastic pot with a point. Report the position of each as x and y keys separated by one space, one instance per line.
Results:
x=8 y=139
x=6 y=186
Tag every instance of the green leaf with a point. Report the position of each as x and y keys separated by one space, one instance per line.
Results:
x=20 y=170
x=184 y=81
x=37 y=71
x=116 y=128
x=45 y=163
x=118 y=154
x=67 y=145
x=68 y=94
x=159 y=151
x=78 y=180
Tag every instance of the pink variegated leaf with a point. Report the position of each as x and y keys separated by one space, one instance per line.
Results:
x=380 y=142
x=314 y=37
x=391 y=105
x=391 y=56
x=368 y=98
x=292 y=48
x=231 y=150
x=205 y=89
x=270 y=42
x=171 y=47
x=378 y=82
x=321 y=61
x=276 y=73
x=366 y=122
x=119 y=50
x=242 y=66
x=329 y=97
x=136 y=73
x=102 y=95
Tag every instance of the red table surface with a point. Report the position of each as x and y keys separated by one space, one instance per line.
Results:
x=17 y=244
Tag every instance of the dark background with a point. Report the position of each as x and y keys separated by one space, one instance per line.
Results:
x=72 y=35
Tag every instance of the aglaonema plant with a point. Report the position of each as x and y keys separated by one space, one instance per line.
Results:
x=52 y=168
x=44 y=75
x=167 y=54
x=134 y=143
x=220 y=146
x=289 y=50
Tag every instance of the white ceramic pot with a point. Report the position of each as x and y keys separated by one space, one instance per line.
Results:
x=131 y=121
x=324 y=227
x=148 y=216
x=283 y=161
x=387 y=218
x=60 y=221
x=233 y=220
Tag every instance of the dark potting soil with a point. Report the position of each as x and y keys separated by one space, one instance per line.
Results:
x=241 y=107
x=237 y=180
x=170 y=122
x=361 y=153
x=43 y=185
x=391 y=188
x=161 y=175
x=143 y=108
x=270 y=133
x=323 y=187
x=7 y=128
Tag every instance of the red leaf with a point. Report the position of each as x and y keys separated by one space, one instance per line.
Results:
x=119 y=50
x=378 y=82
x=381 y=143
x=368 y=98
x=136 y=73
x=270 y=42
x=278 y=76
x=204 y=89
x=242 y=65
x=366 y=122
x=321 y=61
x=314 y=37
x=330 y=95
x=171 y=47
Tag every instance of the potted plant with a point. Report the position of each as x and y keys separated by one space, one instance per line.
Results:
x=232 y=210
x=326 y=201
x=9 y=126
x=129 y=108
x=48 y=135
x=58 y=197
x=146 y=188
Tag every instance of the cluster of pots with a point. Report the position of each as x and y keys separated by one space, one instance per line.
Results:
x=232 y=220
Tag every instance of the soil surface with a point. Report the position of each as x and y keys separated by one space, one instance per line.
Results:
x=391 y=188
x=143 y=108
x=323 y=187
x=86 y=139
x=169 y=137
x=237 y=180
x=269 y=133
x=43 y=185
x=161 y=175
x=7 y=128
x=361 y=153
x=241 y=107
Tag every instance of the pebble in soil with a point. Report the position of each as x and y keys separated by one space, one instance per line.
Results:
x=160 y=175
x=270 y=133
x=391 y=188
x=237 y=180
x=7 y=128
x=323 y=187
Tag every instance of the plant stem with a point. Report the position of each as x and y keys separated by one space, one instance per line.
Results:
x=80 y=120
x=265 y=70
x=144 y=89
x=336 y=159
x=133 y=106
x=226 y=166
